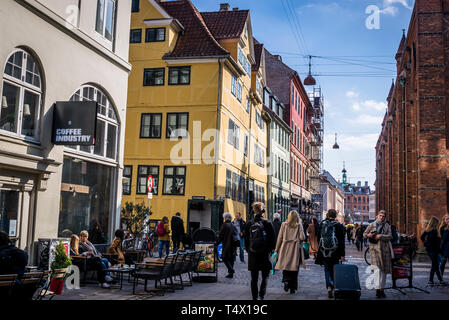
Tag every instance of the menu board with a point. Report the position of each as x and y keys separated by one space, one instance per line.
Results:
x=402 y=264
x=207 y=260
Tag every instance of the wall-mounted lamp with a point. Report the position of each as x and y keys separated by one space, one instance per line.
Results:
x=4 y=102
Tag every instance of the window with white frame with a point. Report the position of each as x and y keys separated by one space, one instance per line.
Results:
x=105 y=18
x=107 y=130
x=259 y=88
x=243 y=60
x=21 y=96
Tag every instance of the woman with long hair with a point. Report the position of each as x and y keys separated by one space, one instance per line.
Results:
x=74 y=245
x=314 y=233
x=290 y=251
x=432 y=243
x=443 y=234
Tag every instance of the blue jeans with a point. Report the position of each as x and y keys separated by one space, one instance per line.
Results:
x=166 y=244
x=434 y=257
x=242 y=251
x=105 y=263
x=329 y=274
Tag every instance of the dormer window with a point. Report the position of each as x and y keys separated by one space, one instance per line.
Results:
x=155 y=35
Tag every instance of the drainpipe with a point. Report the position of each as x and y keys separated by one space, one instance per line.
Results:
x=217 y=137
x=404 y=151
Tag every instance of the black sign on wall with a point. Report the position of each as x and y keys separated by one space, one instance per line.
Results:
x=74 y=123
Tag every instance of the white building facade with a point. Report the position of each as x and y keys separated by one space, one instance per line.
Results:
x=51 y=51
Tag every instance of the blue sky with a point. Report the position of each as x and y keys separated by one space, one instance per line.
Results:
x=336 y=30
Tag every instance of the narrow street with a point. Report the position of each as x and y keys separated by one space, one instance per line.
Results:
x=311 y=286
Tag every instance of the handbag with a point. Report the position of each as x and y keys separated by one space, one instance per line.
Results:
x=305 y=247
x=374 y=233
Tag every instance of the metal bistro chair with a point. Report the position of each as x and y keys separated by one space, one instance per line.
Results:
x=178 y=269
x=187 y=267
x=7 y=282
x=28 y=285
x=45 y=290
x=156 y=273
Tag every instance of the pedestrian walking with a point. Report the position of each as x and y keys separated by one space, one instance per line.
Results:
x=381 y=250
x=359 y=238
x=276 y=225
x=163 y=234
x=354 y=234
x=177 y=228
x=349 y=233
x=331 y=248
x=364 y=240
x=432 y=243
x=259 y=243
x=290 y=251
x=230 y=240
x=240 y=225
x=314 y=232
x=443 y=232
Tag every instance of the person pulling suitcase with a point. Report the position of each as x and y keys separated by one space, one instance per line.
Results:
x=331 y=248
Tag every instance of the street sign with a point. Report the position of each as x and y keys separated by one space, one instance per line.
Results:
x=150 y=195
x=150 y=183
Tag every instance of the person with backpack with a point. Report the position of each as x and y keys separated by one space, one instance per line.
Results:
x=230 y=239
x=177 y=228
x=381 y=250
x=359 y=238
x=432 y=243
x=259 y=243
x=290 y=251
x=163 y=234
x=331 y=248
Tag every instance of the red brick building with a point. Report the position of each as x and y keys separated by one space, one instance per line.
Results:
x=412 y=149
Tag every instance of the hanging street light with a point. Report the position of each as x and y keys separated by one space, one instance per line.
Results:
x=310 y=81
x=336 y=146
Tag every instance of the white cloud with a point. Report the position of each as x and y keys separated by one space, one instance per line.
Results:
x=352 y=94
x=388 y=3
x=390 y=10
x=369 y=105
x=366 y=119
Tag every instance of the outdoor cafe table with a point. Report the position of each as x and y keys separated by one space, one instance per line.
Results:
x=120 y=271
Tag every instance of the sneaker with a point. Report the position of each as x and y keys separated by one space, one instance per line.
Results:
x=330 y=293
x=108 y=278
x=260 y=298
x=430 y=283
x=292 y=291
x=105 y=285
x=442 y=283
x=230 y=276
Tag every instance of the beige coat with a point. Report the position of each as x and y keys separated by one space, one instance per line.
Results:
x=382 y=252
x=289 y=248
x=313 y=239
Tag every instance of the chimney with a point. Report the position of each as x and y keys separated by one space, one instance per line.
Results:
x=278 y=57
x=224 y=6
x=359 y=184
x=366 y=184
x=235 y=9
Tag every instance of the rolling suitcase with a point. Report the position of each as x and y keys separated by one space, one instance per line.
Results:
x=346 y=282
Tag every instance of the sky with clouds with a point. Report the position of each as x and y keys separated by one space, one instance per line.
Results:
x=354 y=64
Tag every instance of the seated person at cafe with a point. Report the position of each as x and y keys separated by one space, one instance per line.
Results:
x=12 y=259
x=94 y=259
x=116 y=248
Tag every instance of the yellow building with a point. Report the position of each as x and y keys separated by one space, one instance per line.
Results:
x=195 y=87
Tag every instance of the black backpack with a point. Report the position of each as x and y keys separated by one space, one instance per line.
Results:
x=257 y=237
x=328 y=241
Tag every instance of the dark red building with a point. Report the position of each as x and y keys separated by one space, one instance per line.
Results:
x=412 y=149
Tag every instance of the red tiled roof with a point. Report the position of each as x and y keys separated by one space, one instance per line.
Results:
x=226 y=24
x=258 y=51
x=197 y=40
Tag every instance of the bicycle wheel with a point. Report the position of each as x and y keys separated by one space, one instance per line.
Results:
x=367 y=257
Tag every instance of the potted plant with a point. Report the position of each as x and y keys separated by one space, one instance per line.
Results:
x=59 y=266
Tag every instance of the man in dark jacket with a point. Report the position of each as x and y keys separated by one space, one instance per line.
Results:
x=177 y=228
x=330 y=258
x=259 y=249
x=12 y=260
x=228 y=236
x=276 y=225
x=240 y=225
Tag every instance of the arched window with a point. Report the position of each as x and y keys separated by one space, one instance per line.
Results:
x=107 y=124
x=21 y=96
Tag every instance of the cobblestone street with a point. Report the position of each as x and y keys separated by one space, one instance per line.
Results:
x=311 y=286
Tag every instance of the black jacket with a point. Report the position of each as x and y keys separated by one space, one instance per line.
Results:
x=339 y=252
x=12 y=260
x=260 y=261
x=226 y=238
x=431 y=241
x=177 y=228
x=445 y=243
x=276 y=226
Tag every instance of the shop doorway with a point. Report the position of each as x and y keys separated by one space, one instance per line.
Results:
x=204 y=213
